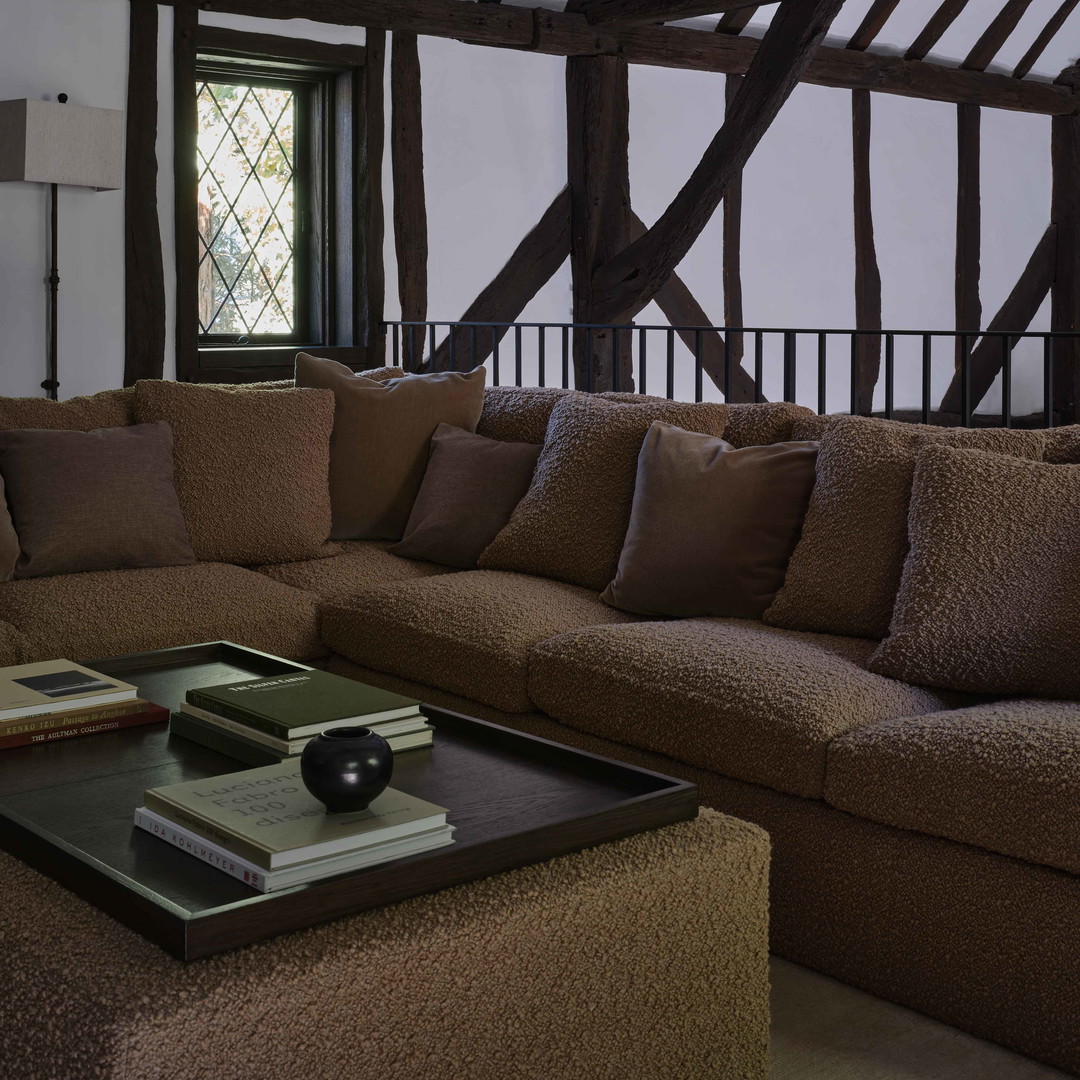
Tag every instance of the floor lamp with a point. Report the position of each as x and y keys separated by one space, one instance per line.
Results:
x=51 y=142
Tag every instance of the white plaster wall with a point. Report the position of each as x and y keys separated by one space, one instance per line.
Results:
x=77 y=47
x=495 y=157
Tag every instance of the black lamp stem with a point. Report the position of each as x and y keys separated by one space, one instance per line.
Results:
x=52 y=383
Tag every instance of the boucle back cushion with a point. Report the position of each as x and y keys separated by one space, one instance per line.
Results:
x=251 y=469
x=711 y=528
x=93 y=500
x=1063 y=445
x=844 y=573
x=518 y=413
x=110 y=408
x=571 y=523
x=382 y=436
x=990 y=596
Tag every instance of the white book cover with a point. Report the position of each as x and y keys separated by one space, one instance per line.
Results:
x=275 y=880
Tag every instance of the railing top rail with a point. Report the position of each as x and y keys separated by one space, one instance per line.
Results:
x=691 y=328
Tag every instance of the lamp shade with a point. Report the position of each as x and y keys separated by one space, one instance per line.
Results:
x=50 y=143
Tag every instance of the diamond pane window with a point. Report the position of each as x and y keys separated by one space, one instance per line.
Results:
x=247 y=209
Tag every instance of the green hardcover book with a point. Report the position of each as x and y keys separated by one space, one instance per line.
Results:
x=266 y=815
x=301 y=703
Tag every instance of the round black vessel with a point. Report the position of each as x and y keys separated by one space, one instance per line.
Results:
x=347 y=768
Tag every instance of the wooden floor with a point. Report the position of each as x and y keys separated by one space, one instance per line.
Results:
x=826 y=1030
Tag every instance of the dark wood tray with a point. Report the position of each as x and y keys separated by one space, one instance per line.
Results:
x=66 y=808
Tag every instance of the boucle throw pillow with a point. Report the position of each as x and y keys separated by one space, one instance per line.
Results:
x=990 y=596
x=470 y=489
x=571 y=523
x=251 y=469
x=382 y=435
x=518 y=413
x=711 y=528
x=93 y=500
x=110 y=408
x=844 y=573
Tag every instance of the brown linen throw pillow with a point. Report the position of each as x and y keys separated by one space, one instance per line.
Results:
x=470 y=489
x=712 y=527
x=844 y=573
x=97 y=500
x=251 y=469
x=572 y=521
x=382 y=434
x=990 y=597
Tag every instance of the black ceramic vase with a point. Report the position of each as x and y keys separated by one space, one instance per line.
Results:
x=347 y=768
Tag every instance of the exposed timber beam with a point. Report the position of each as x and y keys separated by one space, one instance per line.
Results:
x=867 y=273
x=1046 y=35
x=968 y=224
x=369 y=279
x=681 y=309
x=598 y=166
x=528 y=269
x=734 y=22
x=144 y=271
x=626 y=12
x=1065 y=292
x=731 y=255
x=995 y=35
x=1016 y=314
x=410 y=205
x=870 y=27
x=939 y=22
x=559 y=33
x=627 y=282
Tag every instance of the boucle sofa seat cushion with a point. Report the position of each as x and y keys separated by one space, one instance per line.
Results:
x=646 y=957
x=113 y=612
x=1004 y=776
x=845 y=571
x=360 y=565
x=469 y=633
x=742 y=699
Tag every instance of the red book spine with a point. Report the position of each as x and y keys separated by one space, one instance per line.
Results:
x=152 y=714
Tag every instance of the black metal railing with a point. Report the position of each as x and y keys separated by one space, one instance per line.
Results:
x=932 y=376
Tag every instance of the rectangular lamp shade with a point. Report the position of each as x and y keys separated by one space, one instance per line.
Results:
x=50 y=143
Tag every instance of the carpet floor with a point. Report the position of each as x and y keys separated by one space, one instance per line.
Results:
x=825 y=1030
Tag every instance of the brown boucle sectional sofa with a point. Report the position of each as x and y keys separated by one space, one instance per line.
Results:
x=924 y=842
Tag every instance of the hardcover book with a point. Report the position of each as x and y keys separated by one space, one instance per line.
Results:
x=387 y=729
x=71 y=717
x=106 y=720
x=273 y=880
x=302 y=703
x=55 y=685
x=267 y=816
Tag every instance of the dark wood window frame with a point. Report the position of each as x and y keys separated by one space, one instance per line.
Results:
x=344 y=291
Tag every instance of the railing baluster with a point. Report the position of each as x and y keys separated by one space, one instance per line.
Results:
x=614 y=358
x=890 y=375
x=395 y=346
x=472 y=344
x=453 y=349
x=588 y=359
x=541 y=353
x=965 y=381
x=1048 y=381
x=496 y=340
x=671 y=363
x=789 y=366
x=566 y=357
x=759 y=365
x=822 y=380
x=927 y=373
x=699 y=386
x=725 y=337
x=642 y=360
x=431 y=339
x=517 y=354
x=1006 y=381
x=853 y=401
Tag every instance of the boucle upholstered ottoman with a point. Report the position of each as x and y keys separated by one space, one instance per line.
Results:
x=641 y=958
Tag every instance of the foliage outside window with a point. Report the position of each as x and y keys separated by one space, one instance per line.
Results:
x=247 y=212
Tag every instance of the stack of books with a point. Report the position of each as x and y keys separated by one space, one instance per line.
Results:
x=56 y=699
x=264 y=721
x=264 y=828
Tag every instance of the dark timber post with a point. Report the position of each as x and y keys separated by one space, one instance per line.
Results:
x=598 y=163
x=867 y=275
x=1065 y=292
